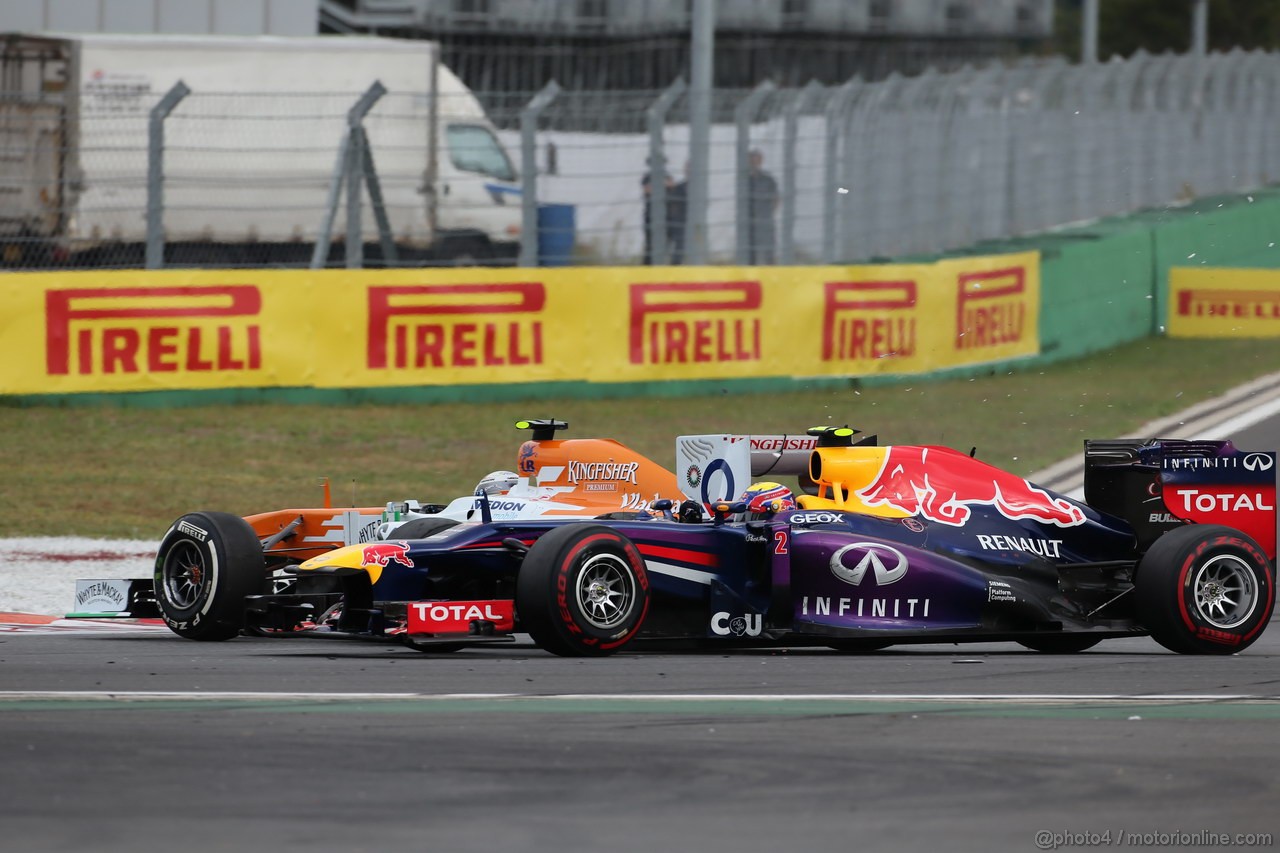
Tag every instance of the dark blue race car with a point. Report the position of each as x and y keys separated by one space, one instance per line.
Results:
x=884 y=545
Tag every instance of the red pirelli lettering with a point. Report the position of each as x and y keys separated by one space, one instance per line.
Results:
x=670 y=322
x=848 y=333
x=990 y=310
x=79 y=321
x=396 y=339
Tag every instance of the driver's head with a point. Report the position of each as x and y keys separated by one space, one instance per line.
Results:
x=497 y=483
x=765 y=499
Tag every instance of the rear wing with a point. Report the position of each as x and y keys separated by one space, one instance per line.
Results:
x=1159 y=484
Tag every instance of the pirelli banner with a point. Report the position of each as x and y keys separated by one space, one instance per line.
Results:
x=180 y=330
x=1218 y=302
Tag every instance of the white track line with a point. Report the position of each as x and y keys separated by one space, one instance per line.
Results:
x=1039 y=698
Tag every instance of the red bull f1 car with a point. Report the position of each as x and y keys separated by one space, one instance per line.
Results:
x=884 y=545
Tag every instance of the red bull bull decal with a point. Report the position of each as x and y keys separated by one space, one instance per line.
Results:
x=942 y=484
x=384 y=554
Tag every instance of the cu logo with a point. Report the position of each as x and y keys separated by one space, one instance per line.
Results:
x=1258 y=462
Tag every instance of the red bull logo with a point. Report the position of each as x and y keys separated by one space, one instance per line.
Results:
x=941 y=484
x=385 y=553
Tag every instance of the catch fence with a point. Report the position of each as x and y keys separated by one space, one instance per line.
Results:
x=901 y=167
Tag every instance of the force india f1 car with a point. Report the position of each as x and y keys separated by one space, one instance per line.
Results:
x=889 y=545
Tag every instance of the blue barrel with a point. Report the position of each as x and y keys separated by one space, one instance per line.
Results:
x=557 y=224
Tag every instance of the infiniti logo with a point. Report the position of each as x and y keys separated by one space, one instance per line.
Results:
x=1258 y=462
x=888 y=564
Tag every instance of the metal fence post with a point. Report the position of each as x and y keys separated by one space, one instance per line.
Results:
x=155 y=173
x=529 y=172
x=743 y=114
x=835 y=109
x=356 y=173
x=657 y=117
x=795 y=106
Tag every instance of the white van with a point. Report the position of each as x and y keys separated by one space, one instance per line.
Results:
x=250 y=154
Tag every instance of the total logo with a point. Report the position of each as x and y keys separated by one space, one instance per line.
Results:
x=725 y=624
x=888 y=565
x=455 y=617
x=1203 y=502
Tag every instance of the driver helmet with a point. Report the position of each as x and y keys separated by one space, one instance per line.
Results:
x=497 y=483
x=765 y=499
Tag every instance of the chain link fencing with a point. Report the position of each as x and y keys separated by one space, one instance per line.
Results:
x=901 y=167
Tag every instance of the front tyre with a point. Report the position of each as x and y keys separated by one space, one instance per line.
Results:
x=1205 y=589
x=582 y=591
x=207 y=563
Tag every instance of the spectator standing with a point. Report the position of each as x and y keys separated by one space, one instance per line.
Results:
x=648 y=216
x=762 y=203
x=677 y=216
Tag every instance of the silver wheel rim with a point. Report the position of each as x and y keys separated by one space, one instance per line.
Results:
x=184 y=574
x=1225 y=591
x=606 y=589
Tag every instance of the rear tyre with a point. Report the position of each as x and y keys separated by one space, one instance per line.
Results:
x=1205 y=589
x=1060 y=644
x=207 y=563
x=582 y=591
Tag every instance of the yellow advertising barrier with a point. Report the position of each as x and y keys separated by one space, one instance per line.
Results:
x=1214 y=302
x=203 y=329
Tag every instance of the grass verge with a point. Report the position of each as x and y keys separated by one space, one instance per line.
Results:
x=118 y=472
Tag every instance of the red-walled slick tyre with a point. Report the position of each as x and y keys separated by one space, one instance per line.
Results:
x=207 y=563
x=1205 y=589
x=582 y=591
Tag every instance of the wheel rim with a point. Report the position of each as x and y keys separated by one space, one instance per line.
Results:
x=606 y=589
x=184 y=574
x=1225 y=591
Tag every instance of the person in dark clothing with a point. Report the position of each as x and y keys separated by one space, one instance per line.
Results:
x=648 y=217
x=676 y=207
x=762 y=202
x=677 y=216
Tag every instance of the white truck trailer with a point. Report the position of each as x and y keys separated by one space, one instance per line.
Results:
x=249 y=155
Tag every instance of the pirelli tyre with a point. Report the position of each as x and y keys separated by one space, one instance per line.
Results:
x=582 y=591
x=207 y=563
x=1205 y=589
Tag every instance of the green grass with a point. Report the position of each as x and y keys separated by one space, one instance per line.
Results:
x=122 y=472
